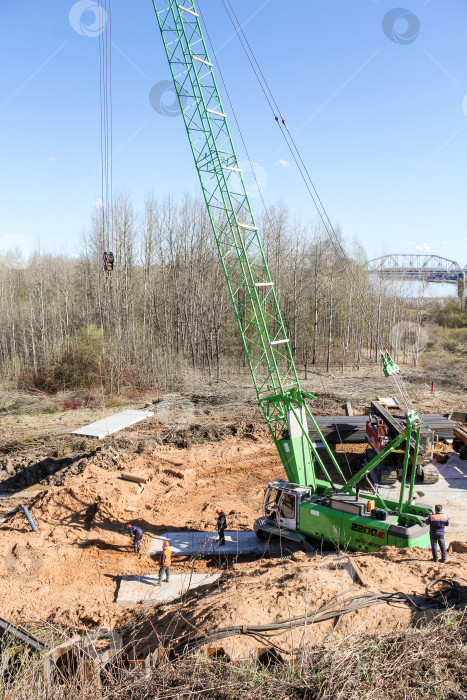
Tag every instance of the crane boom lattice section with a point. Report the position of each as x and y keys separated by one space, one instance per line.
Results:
x=252 y=291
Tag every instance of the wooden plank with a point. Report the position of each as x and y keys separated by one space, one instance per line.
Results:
x=128 y=476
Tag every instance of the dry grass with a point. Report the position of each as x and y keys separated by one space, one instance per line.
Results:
x=415 y=664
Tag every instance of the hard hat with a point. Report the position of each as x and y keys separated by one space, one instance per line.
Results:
x=218 y=510
x=166 y=544
x=129 y=525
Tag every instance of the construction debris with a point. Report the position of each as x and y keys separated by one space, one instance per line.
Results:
x=389 y=401
x=459 y=416
x=29 y=519
x=134 y=477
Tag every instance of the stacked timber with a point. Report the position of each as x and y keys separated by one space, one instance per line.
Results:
x=338 y=429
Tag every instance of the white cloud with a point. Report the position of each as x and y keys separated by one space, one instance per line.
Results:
x=409 y=243
x=283 y=163
x=444 y=244
x=51 y=159
x=424 y=247
x=98 y=204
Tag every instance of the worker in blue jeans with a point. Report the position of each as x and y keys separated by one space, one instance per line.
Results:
x=165 y=561
x=437 y=522
x=137 y=534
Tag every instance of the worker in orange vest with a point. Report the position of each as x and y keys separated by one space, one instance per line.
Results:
x=165 y=561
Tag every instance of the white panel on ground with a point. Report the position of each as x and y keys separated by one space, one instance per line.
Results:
x=112 y=424
x=188 y=543
x=138 y=589
x=389 y=401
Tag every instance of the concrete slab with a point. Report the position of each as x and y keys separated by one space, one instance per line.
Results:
x=389 y=401
x=450 y=491
x=139 y=589
x=112 y=424
x=188 y=543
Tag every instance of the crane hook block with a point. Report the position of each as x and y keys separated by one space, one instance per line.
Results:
x=389 y=366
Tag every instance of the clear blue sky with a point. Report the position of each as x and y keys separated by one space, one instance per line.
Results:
x=381 y=124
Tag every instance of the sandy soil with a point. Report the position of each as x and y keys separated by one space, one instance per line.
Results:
x=67 y=572
x=270 y=590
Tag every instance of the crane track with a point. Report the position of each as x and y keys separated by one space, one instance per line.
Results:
x=430 y=474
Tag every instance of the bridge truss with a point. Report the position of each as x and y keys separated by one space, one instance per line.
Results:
x=429 y=268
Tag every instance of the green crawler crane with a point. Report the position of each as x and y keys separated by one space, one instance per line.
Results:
x=305 y=506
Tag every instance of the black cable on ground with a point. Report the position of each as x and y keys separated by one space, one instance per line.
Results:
x=452 y=595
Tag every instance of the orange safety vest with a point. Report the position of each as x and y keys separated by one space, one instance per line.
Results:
x=166 y=557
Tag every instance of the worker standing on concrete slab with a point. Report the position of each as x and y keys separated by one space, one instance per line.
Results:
x=437 y=522
x=166 y=561
x=221 y=526
x=137 y=534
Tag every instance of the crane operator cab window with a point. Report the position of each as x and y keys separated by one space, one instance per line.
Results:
x=282 y=507
x=287 y=507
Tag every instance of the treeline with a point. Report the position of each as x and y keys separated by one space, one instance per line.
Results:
x=165 y=312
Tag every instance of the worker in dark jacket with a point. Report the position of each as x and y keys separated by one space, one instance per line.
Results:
x=166 y=561
x=137 y=534
x=221 y=526
x=437 y=522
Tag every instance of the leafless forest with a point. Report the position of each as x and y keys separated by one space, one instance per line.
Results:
x=165 y=312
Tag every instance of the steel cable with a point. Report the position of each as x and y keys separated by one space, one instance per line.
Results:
x=309 y=184
x=452 y=595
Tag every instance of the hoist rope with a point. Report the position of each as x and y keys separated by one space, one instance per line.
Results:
x=106 y=125
x=106 y=147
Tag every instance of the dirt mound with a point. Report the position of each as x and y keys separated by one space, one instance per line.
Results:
x=460 y=547
x=89 y=499
x=272 y=590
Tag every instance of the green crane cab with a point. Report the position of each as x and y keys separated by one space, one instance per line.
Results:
x=344 y=521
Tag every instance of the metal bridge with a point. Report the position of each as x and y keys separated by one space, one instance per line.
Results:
x=429 y=268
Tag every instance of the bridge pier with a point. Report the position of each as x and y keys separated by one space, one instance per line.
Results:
x=461 y=280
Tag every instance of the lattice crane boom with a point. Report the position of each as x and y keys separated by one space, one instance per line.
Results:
x=250 y=285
